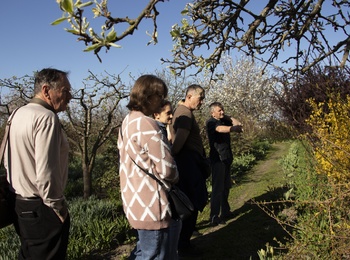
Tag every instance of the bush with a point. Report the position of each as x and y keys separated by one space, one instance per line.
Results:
x=9 y=243
x=245 y=162
x=322 y=227
x=325 y=216
x=74 y=188
x=330 y=137
x=96 y=226
x=260 y=149
x=242 y=164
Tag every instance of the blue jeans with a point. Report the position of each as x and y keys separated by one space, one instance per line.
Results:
x=153 y=244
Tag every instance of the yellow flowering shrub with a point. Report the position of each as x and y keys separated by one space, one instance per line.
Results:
x=323 y=229
x=330 y=136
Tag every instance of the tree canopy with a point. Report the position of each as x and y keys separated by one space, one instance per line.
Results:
x=318 y=84
x=261 y=30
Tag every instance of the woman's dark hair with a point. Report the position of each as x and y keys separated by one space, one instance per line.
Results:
x=144 y=87
x=162 y=106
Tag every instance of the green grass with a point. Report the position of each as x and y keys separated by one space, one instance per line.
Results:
x=95 y=227
x=252 y=228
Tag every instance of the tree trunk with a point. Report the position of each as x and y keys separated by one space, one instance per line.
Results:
x=86 y=176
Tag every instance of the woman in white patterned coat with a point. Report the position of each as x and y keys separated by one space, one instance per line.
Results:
x=142 y=145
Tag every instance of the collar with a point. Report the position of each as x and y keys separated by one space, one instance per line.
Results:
x=161 y=124
x=42 y=103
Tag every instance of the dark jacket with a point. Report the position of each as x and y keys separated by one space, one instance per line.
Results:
x=220 y=143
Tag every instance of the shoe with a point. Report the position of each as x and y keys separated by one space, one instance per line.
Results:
x=215 y=220
x=196 y=233
x=190 y=251
x=227 y=216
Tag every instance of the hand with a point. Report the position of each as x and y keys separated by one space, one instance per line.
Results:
x=62 y=214
x=236 y=128
x=235 y=122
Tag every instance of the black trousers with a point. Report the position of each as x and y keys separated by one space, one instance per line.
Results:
x=221 y=185
x=192 y=183
x=43 y=236
x=188 y=226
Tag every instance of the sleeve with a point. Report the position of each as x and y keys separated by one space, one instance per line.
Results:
x=211 y=126
x=157 y=150
x=226 y=120
x=48 y=168
x=182 y=127
x=185 y=120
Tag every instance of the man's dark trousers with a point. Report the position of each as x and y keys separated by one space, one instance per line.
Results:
x=221 y=184
x=42 y=234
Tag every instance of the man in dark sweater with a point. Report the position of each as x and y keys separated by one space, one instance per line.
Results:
x=188 y=152
x=219 y=127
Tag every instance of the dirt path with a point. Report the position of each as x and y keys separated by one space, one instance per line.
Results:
x=267 y=173
x=251 y=228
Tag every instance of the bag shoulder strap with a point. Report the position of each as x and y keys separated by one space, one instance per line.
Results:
x=149 y=174
x=7 y=130
x=142 y=169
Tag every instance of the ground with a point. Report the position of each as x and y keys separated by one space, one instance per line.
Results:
x=251 y=228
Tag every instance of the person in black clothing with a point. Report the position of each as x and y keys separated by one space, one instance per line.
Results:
x=219 y=127
x=189 y=154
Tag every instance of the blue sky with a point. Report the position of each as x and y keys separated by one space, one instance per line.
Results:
x=30 y=43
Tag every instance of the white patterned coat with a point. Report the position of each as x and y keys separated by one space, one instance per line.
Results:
x=144 y=200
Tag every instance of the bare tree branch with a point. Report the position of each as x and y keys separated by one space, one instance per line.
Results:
x=92 y=119
x=218 y=27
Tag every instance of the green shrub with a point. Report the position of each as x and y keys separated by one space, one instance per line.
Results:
x=96 y=227
x=107 y=185
x=9 y=243
x=290 y=162
x=74 y=188
x=321 y=229
x=242 y=164
x=260 y=149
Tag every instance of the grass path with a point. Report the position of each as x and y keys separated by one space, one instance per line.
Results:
x=267 y=173
x=241 y=237
x=252 y=228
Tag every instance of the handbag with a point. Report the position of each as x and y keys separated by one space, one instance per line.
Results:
x=6 y=206
x=7 y=212
x=181 y=206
